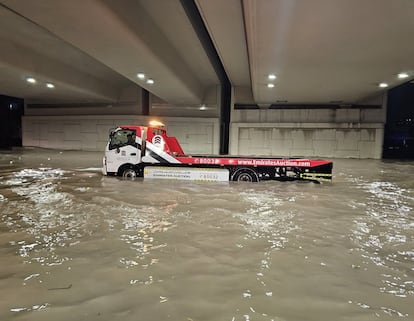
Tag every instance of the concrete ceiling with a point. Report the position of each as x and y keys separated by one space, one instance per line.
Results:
x=321 y=51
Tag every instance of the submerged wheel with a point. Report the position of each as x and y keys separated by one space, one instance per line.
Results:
x=128 y=173
x=245 y=175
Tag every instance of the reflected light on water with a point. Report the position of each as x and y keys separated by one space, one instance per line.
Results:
x=76 y=245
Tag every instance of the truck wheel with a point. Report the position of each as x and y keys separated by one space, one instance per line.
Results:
x=128 y=173
x=245 y=175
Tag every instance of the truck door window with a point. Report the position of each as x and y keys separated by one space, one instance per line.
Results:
x=122 y=138
x=157 y=131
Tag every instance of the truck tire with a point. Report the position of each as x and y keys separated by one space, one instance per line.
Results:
x=245 y=175
x=128 y=172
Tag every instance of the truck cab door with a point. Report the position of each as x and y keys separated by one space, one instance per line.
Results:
x=122 y=148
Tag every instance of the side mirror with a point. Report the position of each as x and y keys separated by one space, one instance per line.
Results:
x=111 y=132
x=117 y=150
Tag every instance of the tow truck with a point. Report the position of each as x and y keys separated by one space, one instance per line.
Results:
x=147 y=151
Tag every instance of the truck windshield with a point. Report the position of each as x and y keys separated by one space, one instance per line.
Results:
x=121 y=138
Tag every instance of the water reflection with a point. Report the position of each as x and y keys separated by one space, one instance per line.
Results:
x=77 y=244
x=41 y=211
x=383 y=235
x=269 y=217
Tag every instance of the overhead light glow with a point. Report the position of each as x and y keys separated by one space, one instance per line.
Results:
x=272 y=77
x=383 y=85
x=141 y=75
x=50 y=85
x=203 y=107
x=270 y=85
x=150 y=81
x=403 y=75
x=31 y=80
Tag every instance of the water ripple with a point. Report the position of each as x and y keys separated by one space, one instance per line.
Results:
x=384 y=234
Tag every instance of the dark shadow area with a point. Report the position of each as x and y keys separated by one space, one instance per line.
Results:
x=11 y=112
x=399 y=129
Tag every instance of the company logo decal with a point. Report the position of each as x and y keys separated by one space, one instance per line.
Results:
x=158 y=141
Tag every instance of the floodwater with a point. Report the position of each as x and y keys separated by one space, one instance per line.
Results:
x=75 y=245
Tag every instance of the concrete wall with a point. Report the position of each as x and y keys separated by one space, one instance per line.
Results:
x=201 y=135
x=323 y=132
x=307 y=139
x=90 y=132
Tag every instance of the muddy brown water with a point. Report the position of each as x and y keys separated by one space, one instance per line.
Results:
x=75 y=245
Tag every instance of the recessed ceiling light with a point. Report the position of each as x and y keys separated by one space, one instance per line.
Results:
x=50 y=85
x=31 y=80
x=270 y=85
x=403 y=75
x=150 y=81
x=383 y=85
x=203 y=107
x=141 y=75
x=271 y=76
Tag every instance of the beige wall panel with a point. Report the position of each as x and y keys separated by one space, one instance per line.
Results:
x=325 y=134
x=343 y=140
x=196 y=135
x=347 y=140
x=89 y=141
x=281 y=148
x=366 y=149
x=324 y=148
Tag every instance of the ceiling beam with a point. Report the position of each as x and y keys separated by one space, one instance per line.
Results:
x=121 y=36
